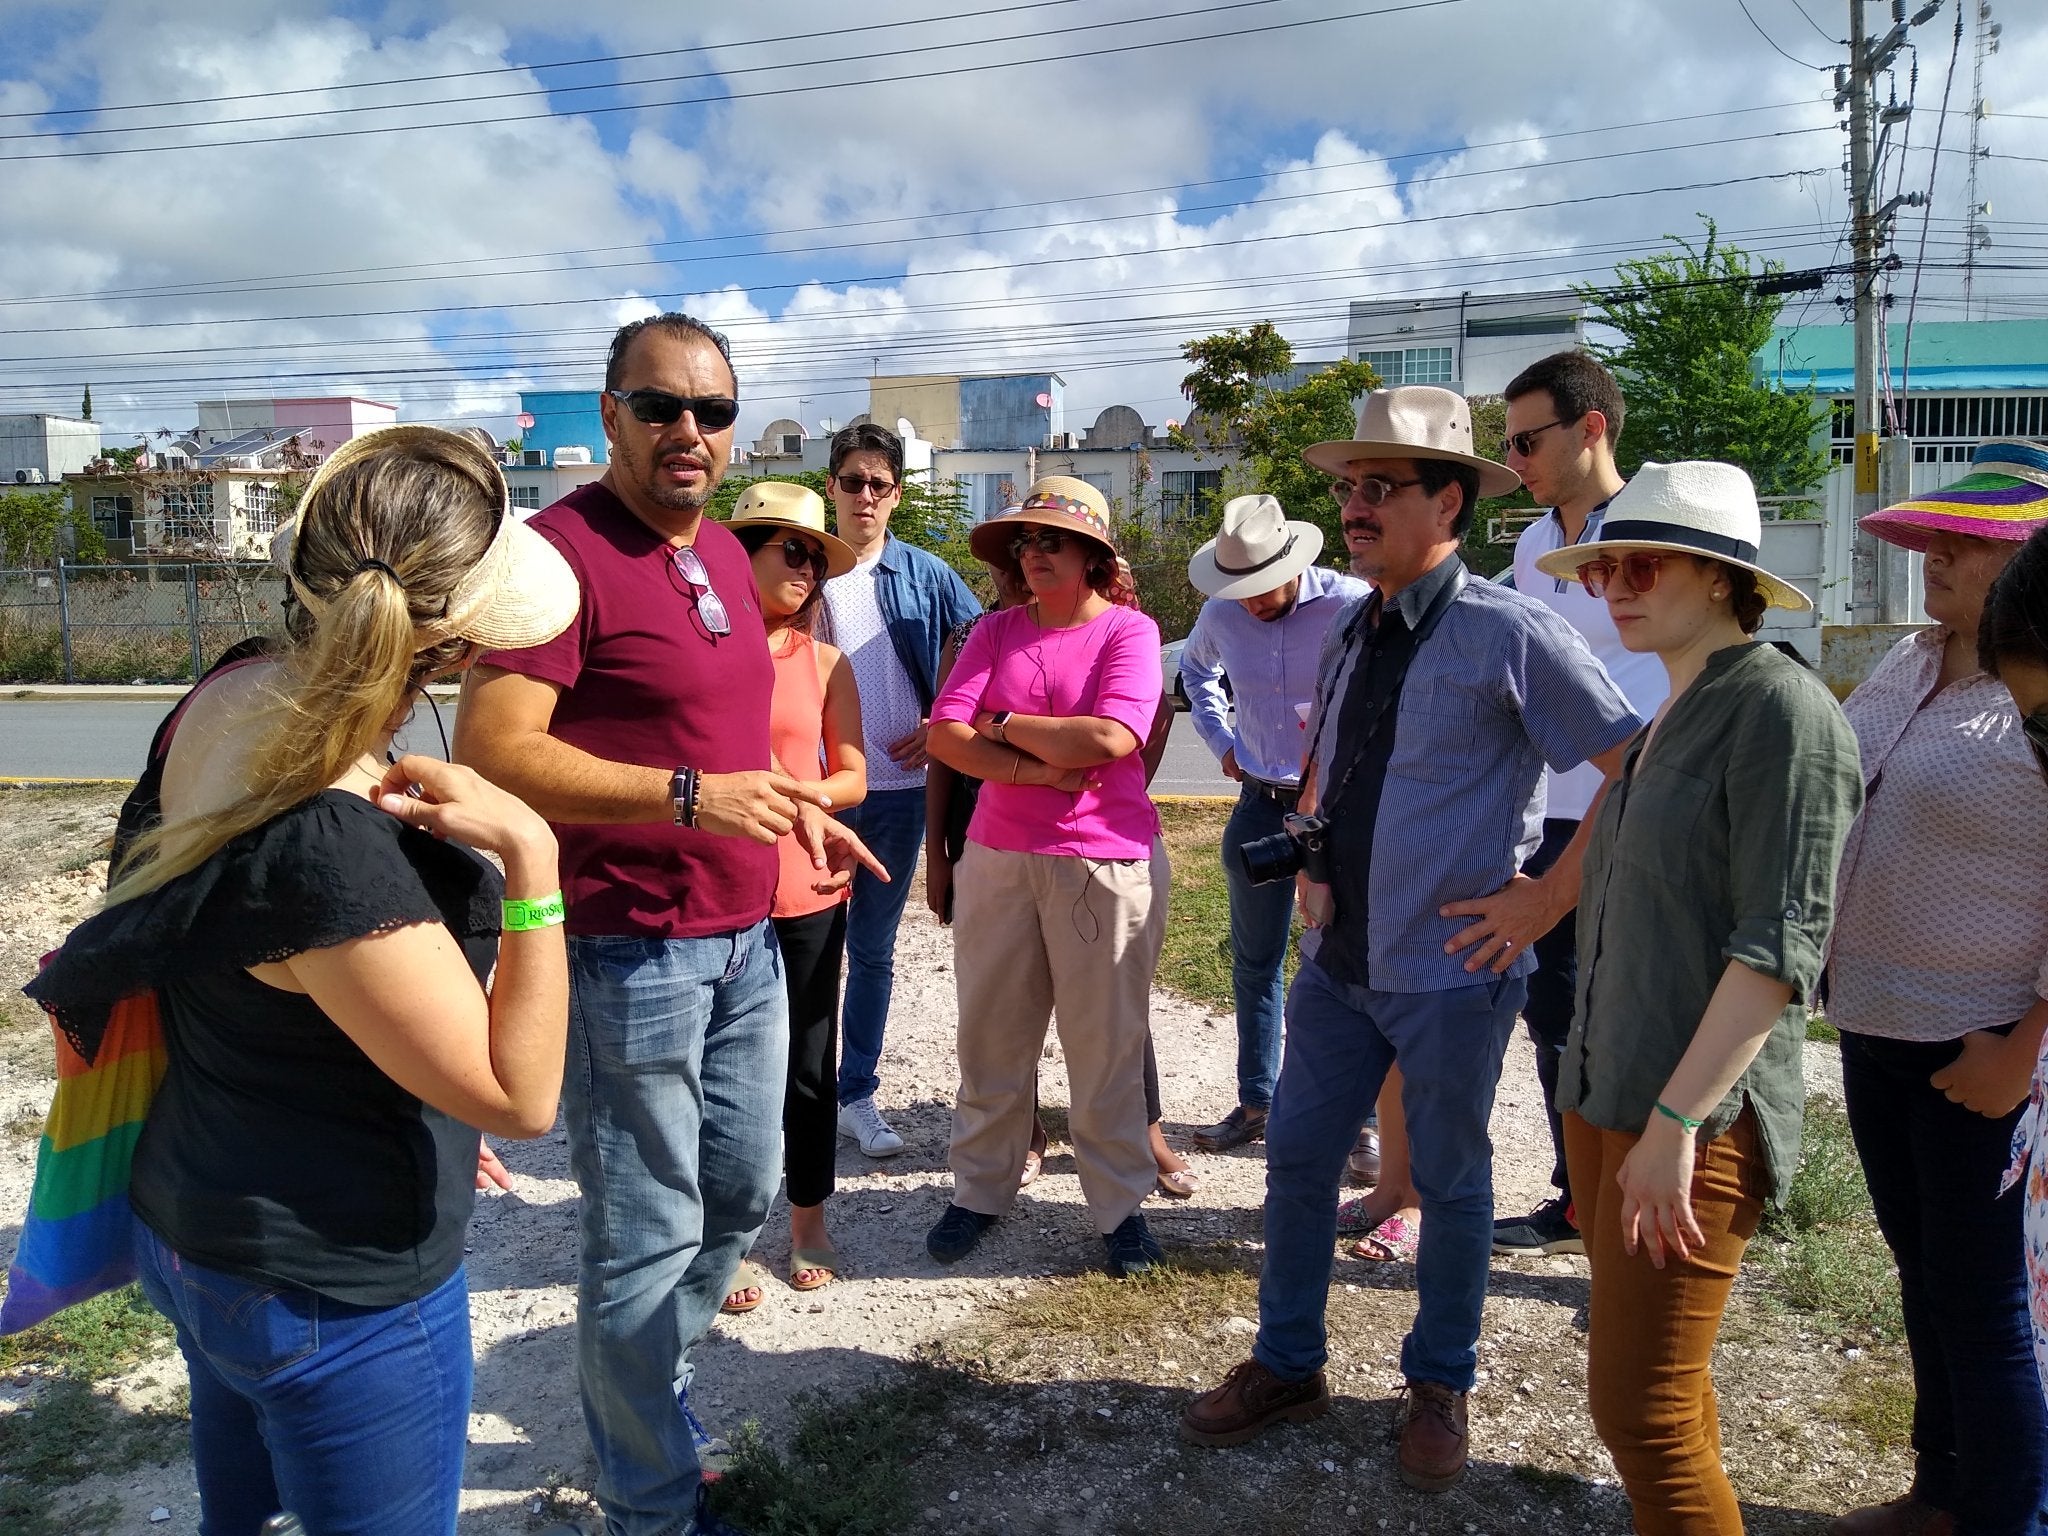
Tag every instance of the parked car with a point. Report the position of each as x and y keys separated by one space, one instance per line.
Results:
x=1169 y=674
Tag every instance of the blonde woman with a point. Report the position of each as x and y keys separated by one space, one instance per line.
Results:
x=320 y=935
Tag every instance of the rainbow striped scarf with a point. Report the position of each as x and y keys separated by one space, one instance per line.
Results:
x=75 y=1242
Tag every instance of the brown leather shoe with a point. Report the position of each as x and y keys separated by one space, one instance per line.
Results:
x=1905 y=1516
x=1241 y=1125
x=1250 y=1399
x=1362 y=1166
x=1432 y=1437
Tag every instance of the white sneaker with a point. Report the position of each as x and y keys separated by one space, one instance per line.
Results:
x=863 y=1123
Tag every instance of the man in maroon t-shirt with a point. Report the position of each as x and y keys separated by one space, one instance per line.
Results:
x=642 y=734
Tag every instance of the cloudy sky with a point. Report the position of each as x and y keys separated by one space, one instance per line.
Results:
x=439 y=202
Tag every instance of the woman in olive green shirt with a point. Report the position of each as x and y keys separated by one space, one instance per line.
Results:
x=1706 y=901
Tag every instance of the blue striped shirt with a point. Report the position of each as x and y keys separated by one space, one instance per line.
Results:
x=1500 y=689
x=1272 y=668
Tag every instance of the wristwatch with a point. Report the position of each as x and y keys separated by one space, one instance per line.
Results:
x=682 y=788
x=998 y=725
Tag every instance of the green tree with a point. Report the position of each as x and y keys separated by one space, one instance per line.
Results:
x=36 y=525
x=1692 y=321
x=85 y=405
x=1238 y=404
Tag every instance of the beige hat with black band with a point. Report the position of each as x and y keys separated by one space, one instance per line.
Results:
x=1415 y=421
x=520 y=593
x=1255 y=551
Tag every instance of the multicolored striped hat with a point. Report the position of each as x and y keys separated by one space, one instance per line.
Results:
x=2005 y=496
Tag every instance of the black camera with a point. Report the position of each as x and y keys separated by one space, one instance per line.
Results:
x=1303 y=848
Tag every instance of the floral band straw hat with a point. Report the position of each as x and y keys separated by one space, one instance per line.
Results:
x=1054 y=501
x=2004 y=496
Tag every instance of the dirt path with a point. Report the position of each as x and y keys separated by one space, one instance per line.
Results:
x=1122 y=1375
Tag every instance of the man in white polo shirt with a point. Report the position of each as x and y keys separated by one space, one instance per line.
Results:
x=1564 y=418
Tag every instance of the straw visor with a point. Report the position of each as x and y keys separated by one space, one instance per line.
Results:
x=519 y=594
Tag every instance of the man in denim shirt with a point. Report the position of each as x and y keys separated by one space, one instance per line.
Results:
x=1439 y=702
x=890 y=614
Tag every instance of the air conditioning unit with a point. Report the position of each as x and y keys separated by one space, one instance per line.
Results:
x=1061 y=440
x=576 y=455
x=28 y=477
x=533 y=458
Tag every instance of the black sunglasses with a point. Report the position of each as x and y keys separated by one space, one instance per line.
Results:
x=659 y=408
x=853 y=485
x=798 y=553
x=2036 y=728
x=1050 y=541
x=1523 y=442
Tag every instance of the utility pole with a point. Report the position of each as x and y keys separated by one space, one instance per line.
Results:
x=1878 y=584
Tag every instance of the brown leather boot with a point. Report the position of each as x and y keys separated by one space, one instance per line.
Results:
x=1905 y=1516
x=1432 y=1437
x=1250 y=1399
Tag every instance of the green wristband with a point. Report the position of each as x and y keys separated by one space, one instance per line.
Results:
x=525 y=916
x=1684 y=1120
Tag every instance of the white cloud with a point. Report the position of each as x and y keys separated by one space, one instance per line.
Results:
x=1102 y=289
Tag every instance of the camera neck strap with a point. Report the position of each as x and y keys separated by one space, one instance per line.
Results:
x=1433 y=615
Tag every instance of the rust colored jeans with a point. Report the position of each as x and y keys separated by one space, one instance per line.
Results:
x=1651 y=1344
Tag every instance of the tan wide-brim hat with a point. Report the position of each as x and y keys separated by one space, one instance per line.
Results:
x=1054 y=501
x=1691 y=508
x=520 y=593
x=1256 y=550
x=1414 y=421
x=785 y=504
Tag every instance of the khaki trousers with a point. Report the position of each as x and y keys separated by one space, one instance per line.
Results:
x=1038 y=936
x=1651 y=1341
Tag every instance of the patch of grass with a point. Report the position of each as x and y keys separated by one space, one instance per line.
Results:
x=845 y=1472
x=27 y=1123
x=1196 y=959
x=71 y=1428
x=84 y=858
x=1822 y=1252
x=1876 y=1400
x=1820 y=1031
x=92 y=1341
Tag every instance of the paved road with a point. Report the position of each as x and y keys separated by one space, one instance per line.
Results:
x=105 y=739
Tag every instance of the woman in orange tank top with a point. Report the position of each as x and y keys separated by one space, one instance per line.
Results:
x=814 y=729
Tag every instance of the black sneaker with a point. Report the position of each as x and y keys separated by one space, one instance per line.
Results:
x=707 y=1523
x=1547 y=1229
x=956 y=1234
x=1131 y=1248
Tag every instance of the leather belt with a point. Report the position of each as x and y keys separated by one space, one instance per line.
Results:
x=1288 y=795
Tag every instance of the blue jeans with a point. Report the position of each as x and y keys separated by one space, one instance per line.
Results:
x=891 y=823
x=353 y=1418
x=677 y=1054
x=1341 y=1039
x=1980 y=1427
x=1260 y=916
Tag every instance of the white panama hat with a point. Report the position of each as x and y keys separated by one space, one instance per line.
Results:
x=1256 y=550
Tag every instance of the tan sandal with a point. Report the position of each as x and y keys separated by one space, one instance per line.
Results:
x=1179 y=1183
x=807 y=1264
x=748 y=1277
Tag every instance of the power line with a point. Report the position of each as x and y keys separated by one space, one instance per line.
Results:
x=620 y=85
x=516 y=69
x=1045 y=261
x=196 y=289
x=1933 y=168
x=1760 y=32
x=1800 y=7
x=1233 y=35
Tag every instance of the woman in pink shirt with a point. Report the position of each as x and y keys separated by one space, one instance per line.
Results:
x=1060 y=894
x=814 y=729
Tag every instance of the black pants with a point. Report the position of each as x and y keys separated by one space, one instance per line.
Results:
x=1553 y=993
x=812 y=948
x=1980 y=1427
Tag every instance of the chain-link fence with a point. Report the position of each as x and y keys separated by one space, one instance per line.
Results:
x=130 y=623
